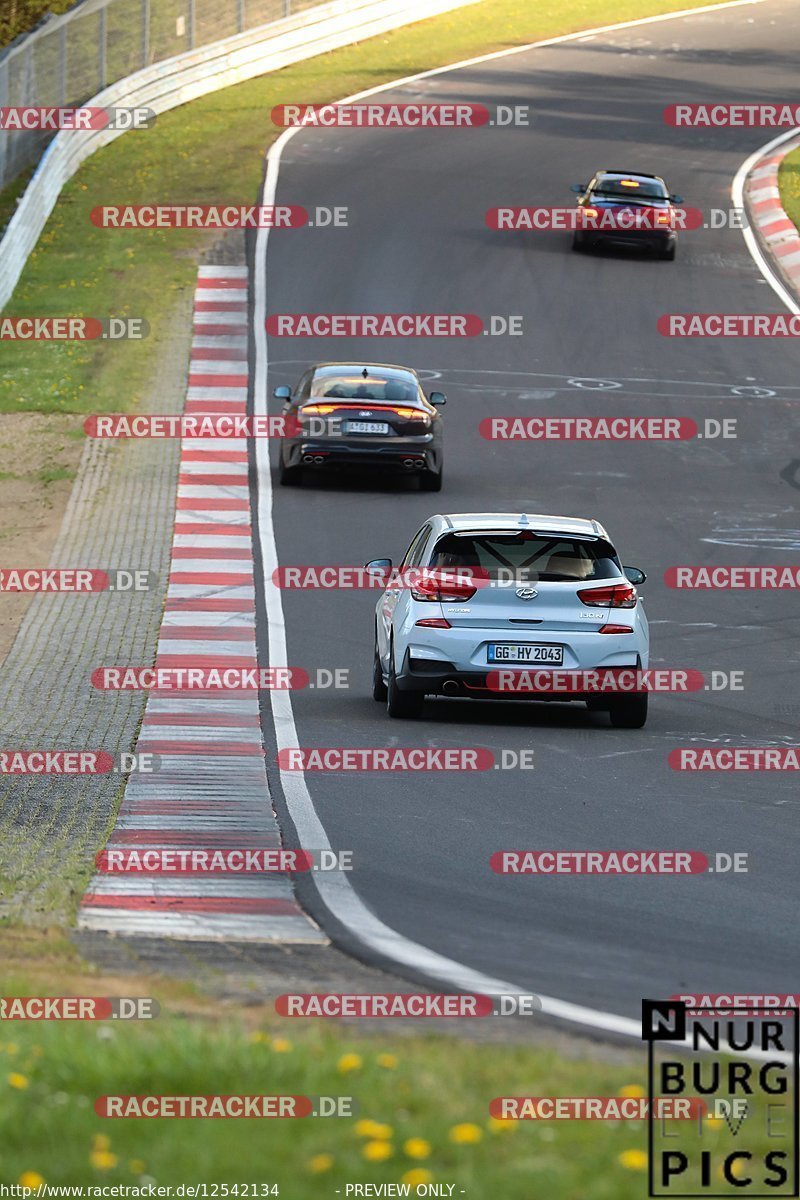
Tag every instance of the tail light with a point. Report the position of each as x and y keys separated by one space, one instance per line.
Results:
x=592 y=213
x=663 y=218
x=442 y=591
x=434 y=623
x=324 y=410
x=615 y=629
x=318 y=410
x=618 y=595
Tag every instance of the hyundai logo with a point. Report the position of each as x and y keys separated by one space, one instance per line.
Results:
x=527 y=593
x=365 y=412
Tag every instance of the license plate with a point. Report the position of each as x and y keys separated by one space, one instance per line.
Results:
x=511 y=652
x=367 y=427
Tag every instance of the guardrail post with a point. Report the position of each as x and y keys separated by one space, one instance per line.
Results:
x=287 y=7
x=191 y=24
x=240 y=16
x=102 y=40
x=145 y=32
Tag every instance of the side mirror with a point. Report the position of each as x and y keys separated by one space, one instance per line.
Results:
x=676 y=199
x=634 y=575
x=282 y=393
x=377 y=566
x=578 y=187
x=437 y=398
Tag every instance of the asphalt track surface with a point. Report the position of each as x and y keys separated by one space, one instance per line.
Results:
x=417 y=242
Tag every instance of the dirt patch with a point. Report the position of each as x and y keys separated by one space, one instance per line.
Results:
x=39 y=456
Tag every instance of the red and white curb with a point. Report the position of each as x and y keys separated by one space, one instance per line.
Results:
x=211 y=791
x=776 y=231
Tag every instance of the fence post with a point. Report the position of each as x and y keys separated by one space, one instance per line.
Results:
x=102 y=39
x=240 y=16
x=145 y=32
x=191 y=24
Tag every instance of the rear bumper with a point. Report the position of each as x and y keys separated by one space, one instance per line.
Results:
x=401 y=454
x=646 y=239
x=445 y=679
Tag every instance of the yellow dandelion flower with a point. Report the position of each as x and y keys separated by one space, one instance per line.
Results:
x=281 y=1045
x=349 y=1062
x=377 y=1151
x=258 y=1038
x=714 y=1122
x=103 y=1160
x=15 y=1080
x=417 y=1177
x=101 y=1141
x=31 y=1179
x=387 y=1061
x=374 y=1130
x=466 y=1134
x=137 y=1166
x=320 y=1163
x=632 y=1091
x=496 y=1125
x=633 y=1160
x=417 y=1147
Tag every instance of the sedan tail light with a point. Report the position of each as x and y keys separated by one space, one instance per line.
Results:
x=377 y=410
x=439 y=590
x=618 y=595
x=615 y=629
x=434 y=623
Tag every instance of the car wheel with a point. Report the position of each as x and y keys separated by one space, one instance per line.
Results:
x=289 y=476
x=401 y=704
x=431 y=481
x=669 y=254
x=628 y=712
x=378 y=686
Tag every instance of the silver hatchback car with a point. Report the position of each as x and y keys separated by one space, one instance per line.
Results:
x=483 y=599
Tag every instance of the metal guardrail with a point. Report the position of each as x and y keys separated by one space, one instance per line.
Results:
x=165 y=85
x=69 y=58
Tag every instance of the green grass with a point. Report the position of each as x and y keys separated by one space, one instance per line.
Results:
x=789 y=183
x=51 y=1075
x=212 y=150
x=55 y=474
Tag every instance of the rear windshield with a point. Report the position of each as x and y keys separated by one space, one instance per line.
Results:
x=355 y=387
x=527 y=556
x=634 y=189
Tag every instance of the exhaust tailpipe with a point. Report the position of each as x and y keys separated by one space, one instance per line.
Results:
x=451 y=687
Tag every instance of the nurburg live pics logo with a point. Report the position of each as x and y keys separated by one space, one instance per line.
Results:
x=743 y=1062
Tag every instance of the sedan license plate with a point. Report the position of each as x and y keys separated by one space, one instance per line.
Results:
x=514 y=652
x=367 y=427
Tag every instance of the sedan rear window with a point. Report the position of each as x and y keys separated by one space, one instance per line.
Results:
x=356 y=387
x=527 y=555
x=631 y=189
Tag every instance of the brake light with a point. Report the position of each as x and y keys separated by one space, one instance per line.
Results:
x=408 y=414
x=663 y=218
x=323 y=410
x=441 y=591
x=434 y=623
x=591 y=212
x=615 y=629
x=317 y=410
x=618 y=595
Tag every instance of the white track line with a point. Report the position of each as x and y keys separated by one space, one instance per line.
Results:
x=335 y=889
x=737 y=196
